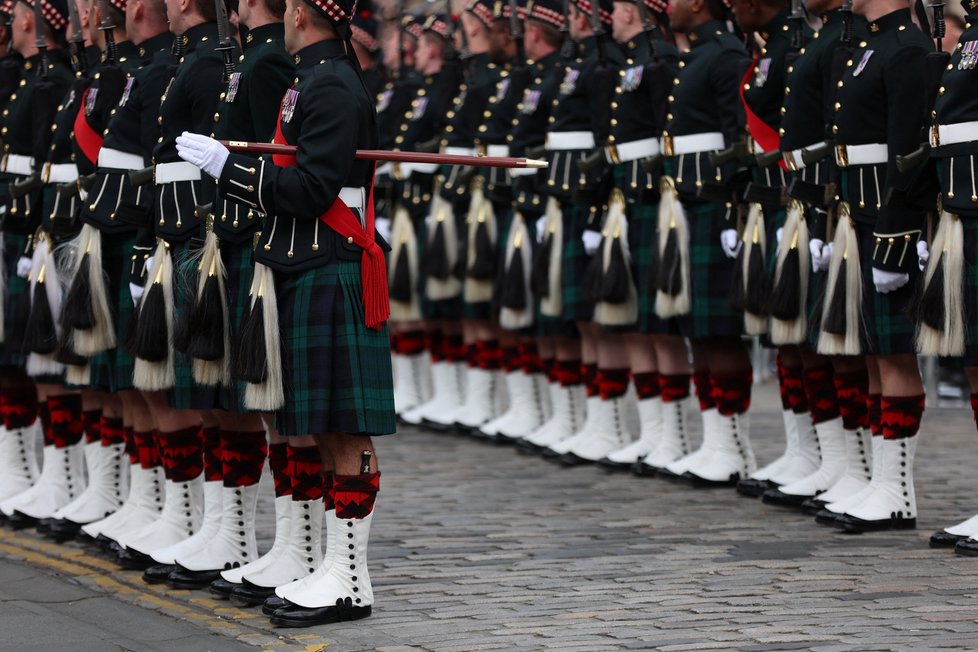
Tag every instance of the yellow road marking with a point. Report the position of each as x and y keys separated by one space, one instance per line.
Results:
x=207 y=612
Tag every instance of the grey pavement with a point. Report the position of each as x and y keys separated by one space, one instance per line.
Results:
x=478 y=547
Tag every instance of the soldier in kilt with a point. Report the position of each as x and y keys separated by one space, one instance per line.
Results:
x=656 y=351
x=188 y=433
x=30 y=131
x=412 y=374
x=580 y=123
x=78 y=132
x=116 y=228
x=555 y=345
x=705 y=116
x=329 y=282
x=879 y=115
x=247 y=110
x=831 y=463
x=463 y=193
x=954 y=155
x=426 y=288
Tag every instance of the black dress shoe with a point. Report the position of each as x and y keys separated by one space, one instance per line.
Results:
x=754 y=488
x=944 y=539
x=63 y=530
x=134 y=560
x=854 y=525
x=44 y=525
x=21 y=521
x=437 y=427
x=86 y=538
x=182 y=578
x=615 y=466
x=247 y=594
x=704 y=483
x=222 y=588
x=527 y=448
x=644 y=470
x=570 y=459
x=273 y=603
x=967 y=547
x=296 y=616
x=778 y=497
x=158 y=574
x=549 y=453
x=813 y=506
x=666 y=474
x=828 y=518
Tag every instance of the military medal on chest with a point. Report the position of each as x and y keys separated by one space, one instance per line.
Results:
x=288 y=104
x=862 y=63
x=234 y=82
x=762 y=72
x=632 y=78
x=127 y=91
x=501 y=89
x=419 y=108
x=90 y=100
x=969 y=55
x=531 y=99
x=384 y=100
x=570 y=81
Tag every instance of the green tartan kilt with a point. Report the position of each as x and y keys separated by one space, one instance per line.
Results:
x=186 y=394
x=14 y=245
x=711 y=273
x=970 y=290
x=111 y=370
x=577 y=305
x=888 y=330
x=336 y=372
x=240 y=269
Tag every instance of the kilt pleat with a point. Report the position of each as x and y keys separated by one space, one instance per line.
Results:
x=186 y=394
x=13 y=248
x=240 y=269
x=111 y=370
x=711 y=274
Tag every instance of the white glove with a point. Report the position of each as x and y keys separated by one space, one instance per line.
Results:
x=778 y=234
x=382 y=225
x=889 y=281
x=730 y=242
x=541 y=228
x=923 y=254
x=203 y=151
x=826 y=258
x=816 y=247
x=591 y=240
x=136 y=291
x=24 y=265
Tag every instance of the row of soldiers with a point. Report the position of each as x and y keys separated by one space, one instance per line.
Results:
x=167 y=327
x=811 y=187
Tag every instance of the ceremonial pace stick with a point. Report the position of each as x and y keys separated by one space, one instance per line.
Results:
x=397 y=157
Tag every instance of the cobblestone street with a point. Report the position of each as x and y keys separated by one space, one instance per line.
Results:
x=478 y=547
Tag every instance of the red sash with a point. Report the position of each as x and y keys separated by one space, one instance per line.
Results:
x=339 y=217
x=89 y=141
x=762 y=133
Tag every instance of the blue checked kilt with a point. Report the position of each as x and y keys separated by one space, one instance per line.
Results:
x=111 y=371
x=711 y=274
x=577 y=305
x=888 y=329
x=13 y=248
x=237 y=259
x=336 y=372
x=185 y=393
